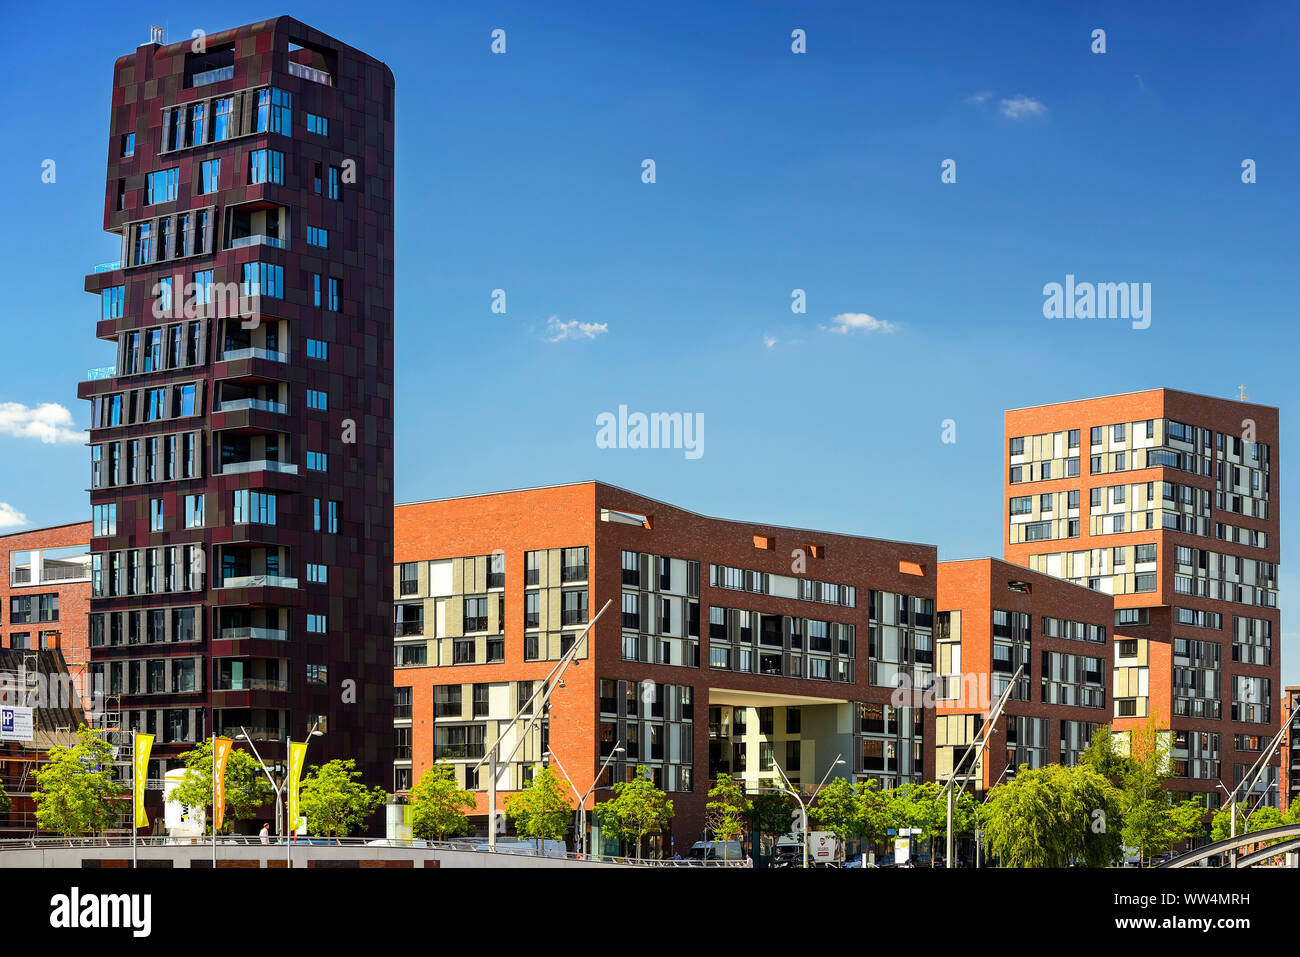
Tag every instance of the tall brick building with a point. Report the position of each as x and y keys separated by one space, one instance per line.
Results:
x=1170 y=507
x=992 y=618
x=242 y=439
x=758 y=642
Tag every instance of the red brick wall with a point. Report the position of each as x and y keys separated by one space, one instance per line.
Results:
x=978 y=586
x=74 y=597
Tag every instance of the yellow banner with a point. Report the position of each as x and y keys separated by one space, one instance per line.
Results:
x=143 y=745
x=221 y=748
x=297 y=755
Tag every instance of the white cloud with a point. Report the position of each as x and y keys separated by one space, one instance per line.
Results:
x=1020 y=106
x=49 y=422
x=557 y=331
x=769 y=342
x=10 y=516
x=849 y=322
x=981 y=97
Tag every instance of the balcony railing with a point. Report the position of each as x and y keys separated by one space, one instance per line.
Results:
x=103 y=372
x=108 y=267
x=258 y=465
x=573 y=616
x=573 y=573
x=258 y=239
x=263 y=634
x=479 y=623
x=230 y=355
x=214 y=76
x=258 y=581
x=259 y=405
x=309 y=73
x=257 y=734
x=255 y=684
x=410 y=628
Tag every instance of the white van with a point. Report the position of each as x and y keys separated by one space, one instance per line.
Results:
x=716 y=851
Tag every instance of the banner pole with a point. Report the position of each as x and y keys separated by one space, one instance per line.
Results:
x=135 y=795
x=214 y=801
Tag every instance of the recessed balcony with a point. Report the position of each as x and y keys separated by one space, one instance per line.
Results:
x=259 y=405
x=257 y=634
x=258 y=581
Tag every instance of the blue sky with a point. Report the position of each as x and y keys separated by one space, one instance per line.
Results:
x=775 y=171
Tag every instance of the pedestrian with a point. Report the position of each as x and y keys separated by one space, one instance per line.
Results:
x=265 y=834
x=749 y=861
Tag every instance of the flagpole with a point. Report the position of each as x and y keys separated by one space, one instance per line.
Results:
x=214 y=801
x=135 y=795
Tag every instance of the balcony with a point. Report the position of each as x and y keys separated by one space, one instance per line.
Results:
x=258 y=405
x=260 y=634
x=258 y=465
x=309 y=73
x=254 y=684
x=407 y=628
x=107 y=267
x=103 y=372
x=573 y=573
x=230 y=355
x=258 y=581
x=258 y=240
x=257 y=734
x=214 y=76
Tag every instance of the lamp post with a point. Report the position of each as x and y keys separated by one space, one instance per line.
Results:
x=244 y=736
x=803 y=808
x=582 y=798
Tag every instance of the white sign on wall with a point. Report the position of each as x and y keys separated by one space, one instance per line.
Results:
x=16 y=723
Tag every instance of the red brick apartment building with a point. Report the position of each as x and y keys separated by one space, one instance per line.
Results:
x=1171 y=508
x=992 y=617
x=45 y=595
x=1290 y=750
x=242 y=439
x=759 y=643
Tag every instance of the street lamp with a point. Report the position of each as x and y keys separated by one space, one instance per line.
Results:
x=803 y=808
x=582 y=798
x=245 y=736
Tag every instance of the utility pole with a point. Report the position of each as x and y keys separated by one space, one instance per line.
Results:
x=550 y=682
x=949 y=789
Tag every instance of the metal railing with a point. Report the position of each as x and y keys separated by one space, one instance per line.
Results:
x=310 y=73
x=266 y=634
x=254 y=684
x=258 y=581
x=257 y=405
x=214 y=76
x=258 y=239
x=230 y=355
x=258 y=465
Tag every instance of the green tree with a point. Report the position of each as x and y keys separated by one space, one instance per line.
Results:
x=542 y=810
x=728 y=809
x=75 y=792
x=247 y=789
x=1154 y=819
x=638 y=808
x=1104 y=756
x=771 y=817
x=334 y=802
x=438 y=804
x=839 y=809
x=917 y=805
x=1054 y=816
